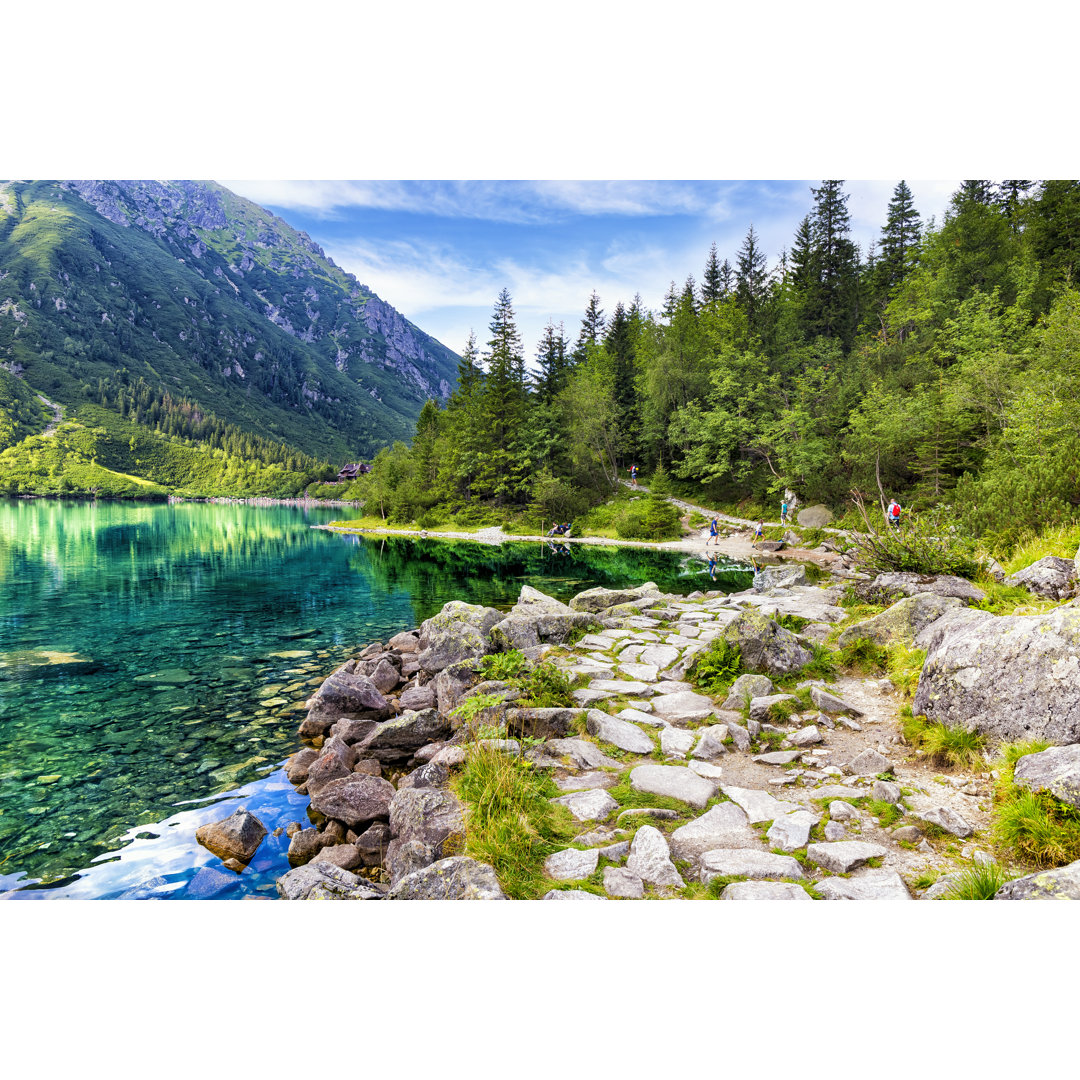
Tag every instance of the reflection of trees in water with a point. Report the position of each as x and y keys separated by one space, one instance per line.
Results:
x=433 y=571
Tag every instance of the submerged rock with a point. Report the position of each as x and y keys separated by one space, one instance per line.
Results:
x=235 y=837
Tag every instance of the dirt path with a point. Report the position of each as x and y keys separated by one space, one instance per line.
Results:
x=58 y=415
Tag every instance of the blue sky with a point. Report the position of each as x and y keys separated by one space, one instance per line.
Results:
x=440 y=251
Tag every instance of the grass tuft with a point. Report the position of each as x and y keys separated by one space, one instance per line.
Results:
x=950 y=747
x=978 y=883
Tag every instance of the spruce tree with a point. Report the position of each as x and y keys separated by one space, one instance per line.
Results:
x=592 y=328
x=831 y=305
x=712 y=287
x=727 y=279
x=554 y=362
x=899 y=242
x=751 y=276
x=619 y=346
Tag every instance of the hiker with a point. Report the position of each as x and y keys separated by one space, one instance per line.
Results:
x=759 y=532
x=633 y=474
x=714 y=531
x=557 y=530
x=892 y=515
x=566 y=529
x=783 y=512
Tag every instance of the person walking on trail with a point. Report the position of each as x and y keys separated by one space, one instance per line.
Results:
x=633 y=475
x=892 y=515
x=759 y=531
x=783 y=512
x=714 y=531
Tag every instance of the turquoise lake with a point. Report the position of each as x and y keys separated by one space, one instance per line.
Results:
x=154 y=662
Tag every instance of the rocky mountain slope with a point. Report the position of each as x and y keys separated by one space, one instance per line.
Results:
x=206 y=296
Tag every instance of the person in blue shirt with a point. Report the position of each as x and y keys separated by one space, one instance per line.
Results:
x=714 y=531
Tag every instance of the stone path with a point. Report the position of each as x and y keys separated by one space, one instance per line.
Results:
x=771 y=800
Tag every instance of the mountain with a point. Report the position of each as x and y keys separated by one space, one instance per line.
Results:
x=118 y=293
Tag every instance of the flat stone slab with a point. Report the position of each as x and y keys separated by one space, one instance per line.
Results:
x=683 y=706
x=588 y=805
x=792 y=831
x=677 y=742
x=644 y=672
x=620 y=686
x=582 y=753
x=830 y=703
x=571 y=864
x=758 y=805
x=620 y=733
x=844 y=855
x=778 y=757
x=660 y=656
x=571 y=894
x=589 y=781
x=944 y=818
x=761 y=708
x=672 y=686
x=636 y=716
x=746 y=863
x=764 y=890
x=674 y=781
x=870 y=885
x=589 y=697
x=724 y=826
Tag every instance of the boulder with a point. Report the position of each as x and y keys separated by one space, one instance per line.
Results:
x=432 y=775
x=1013 y=677
x=765 y=646
x=903 y=621
x=814 y=517
x=324 y=881
x=620 y=733
x=710 y=742
x=1060 y=884
x=430 y=815
x=453 y=682
x=356 y=799
x=747 y=863
x=946 y=818
x=594 y=600
x=761 y=708
x=415 y=698
x=650 y=858
x=352 y=731
x=1052 y=577
x=347 y=693
x=673 y=781
x=395 y=740
x=683 y=706
x=678 y=742
x=830 y=703
x=306 y=844
x=940 y=584
x=236 y=837
x=405 y=856
x=779 y=577
x=336 y=759
x=758 y=805
x=458 y=632
x=373 y=842
x=385 y=676
x=868 y=763
x=592 y=805
x=533 y=602
x=1056 y=770
x=581 y=753
x=724 y=826
x=408 y=641
x=745 y=688
x=344 y=855
x=806 y=736
x=296 y=768
x=764 y=890
x=791 y=831
x=622 y=884
x=456 y=878
x=571 y=864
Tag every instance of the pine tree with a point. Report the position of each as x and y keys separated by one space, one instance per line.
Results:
x=554 y=362
x=712 y=287
x=899 y=242
x=831 y=305
x=751 y=276
x=980 y=191
x=619 y=346
x=727 y=279
x=671 y=302
x=592 y=328
x=689 y=293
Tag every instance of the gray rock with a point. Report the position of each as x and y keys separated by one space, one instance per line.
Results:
x=724 y=826
x=1052 y=577
x=456 y=878
x=1060 y=884
x=740 y=736
x=347 y=692
x=430 y=815
x=660 y=656
x=942 y=888
x=336 y=759
x=415 y=698
x=745 y=688
x=710 y=742
x=945 y=818
x=352 y=731
x=385 y=676
x=778 y=757
x=620 y=733
x=208 y=883
x=903 y=621
x=844 y=856
x=615 y=852
x=779 y=577
x=589 y=697
x=372 y=843
x=674 y=781
x=344 y=855
x=908 y=833
x=395 y=740
x=678 y=742
x=765 y=646
x=590 y=781
x=807 y=736
x=571 y=864
x=620 y=686
x=571 y=894
x=305 y=845
x=761 y=708
x=324 y=880
x=869 y=885
x=758 y=805
x=533 y=602
x=296 y=768
x=830 y=703
x=356 y=799
x=432 y=775
x=747 y=863
x=940 y=584
x=683 y=707
x=458 y=632
x=650 y=859
x=814 y=517
x=706 y=769
x=834 y=830
x=622 y=884
x=592 y=805
x=452 y=683
x=636 y=715
x=764 y=890
x=236 y=837
x=408 y=641
x=868 y=763
x=582 y=754
x=599 y=599
x=1056 y=770
x=792 y=831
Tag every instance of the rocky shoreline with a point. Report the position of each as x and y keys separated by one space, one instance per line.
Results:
x=806 y=791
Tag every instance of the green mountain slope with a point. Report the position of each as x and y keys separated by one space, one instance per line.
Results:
x=188 y=289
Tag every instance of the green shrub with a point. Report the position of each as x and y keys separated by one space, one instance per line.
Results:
x=651 y=518
x=717 y=667
x=925 y=544
x=864 y=656
x=504 y=666
x=546 y=687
